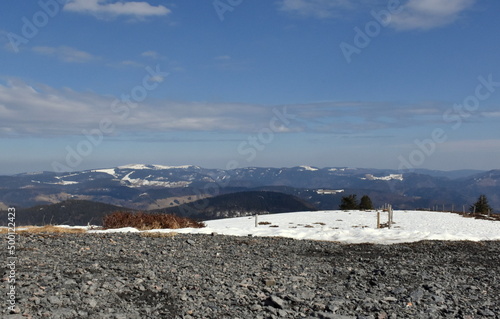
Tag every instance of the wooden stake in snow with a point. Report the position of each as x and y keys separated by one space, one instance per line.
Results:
x=389 y=211
x=256 y=220
x=378 y=219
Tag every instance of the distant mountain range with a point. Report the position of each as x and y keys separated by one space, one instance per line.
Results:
x=157 y=187
x=239 y=204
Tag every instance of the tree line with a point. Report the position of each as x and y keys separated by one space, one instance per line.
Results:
x=350 y=202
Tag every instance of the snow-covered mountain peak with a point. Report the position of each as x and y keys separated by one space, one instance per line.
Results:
x=153 y=166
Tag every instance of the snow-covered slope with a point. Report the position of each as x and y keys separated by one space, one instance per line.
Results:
x=354 y=227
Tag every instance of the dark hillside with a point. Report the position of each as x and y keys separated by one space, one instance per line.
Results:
x=240 y=204
x=70 y=212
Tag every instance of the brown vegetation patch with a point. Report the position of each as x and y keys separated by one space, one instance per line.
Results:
x=144 y=221
x=44 y=229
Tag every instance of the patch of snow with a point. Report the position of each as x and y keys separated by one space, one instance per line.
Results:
x=173 y=167
x=308 y=168
x=134 y=166
x=154 y=167
x=329 y=191
x=64 y=183
x=70 y=175
x=384 y=178
x=353 y=227
x=110 y=171
x=137 y=182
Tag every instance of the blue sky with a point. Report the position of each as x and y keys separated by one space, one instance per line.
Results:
x=236 y=83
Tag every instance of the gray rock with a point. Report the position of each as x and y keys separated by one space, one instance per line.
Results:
x=204 y=276
x=276 y=302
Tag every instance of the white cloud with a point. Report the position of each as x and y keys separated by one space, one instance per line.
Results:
x=315 y=8
x=102 y=8
x=428 y=14
x=44 y=111
x=66 y=54
x=152 y=55
x=415 y=14
x=126 y=64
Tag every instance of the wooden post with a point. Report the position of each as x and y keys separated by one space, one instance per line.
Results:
x=392 y=215
x=389 y=212
x=256 y=220
x=378 y=219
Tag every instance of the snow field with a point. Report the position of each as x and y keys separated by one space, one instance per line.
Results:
x=350 y=227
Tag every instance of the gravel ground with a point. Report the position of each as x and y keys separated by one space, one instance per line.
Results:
x=203 y=276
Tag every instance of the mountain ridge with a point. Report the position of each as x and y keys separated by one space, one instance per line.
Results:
x=148 y=186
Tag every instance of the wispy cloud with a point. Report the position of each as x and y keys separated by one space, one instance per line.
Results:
x=66 y=54
x=415 y=14
x=66 y=112
x=152 y=55
x=54 y=112
x=429 y=14
x=321 y=9
x=105 y=8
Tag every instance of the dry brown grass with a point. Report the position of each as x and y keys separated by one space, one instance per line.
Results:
x=44 y=229
x=144 y=221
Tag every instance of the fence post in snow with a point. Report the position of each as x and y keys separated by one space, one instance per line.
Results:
x=389 y=212
x=256 y=220
x=378 y=219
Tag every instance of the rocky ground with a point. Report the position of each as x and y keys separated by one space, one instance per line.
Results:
x=203 y=276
